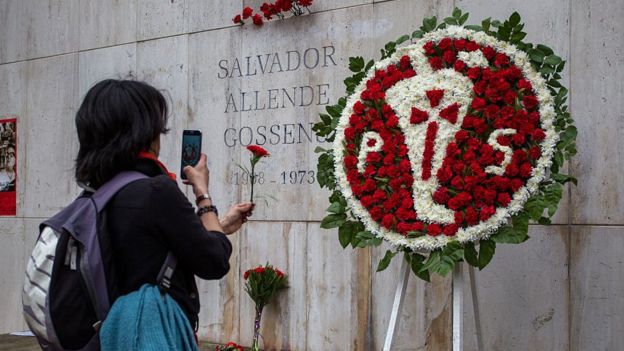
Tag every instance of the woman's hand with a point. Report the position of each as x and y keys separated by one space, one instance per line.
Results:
x=198 y=176
x=236 y=216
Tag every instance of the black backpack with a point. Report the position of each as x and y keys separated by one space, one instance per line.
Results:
x=70 y=276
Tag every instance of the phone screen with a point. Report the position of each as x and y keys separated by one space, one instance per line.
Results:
x=191 y=149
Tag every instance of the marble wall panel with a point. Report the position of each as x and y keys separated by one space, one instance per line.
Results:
x=524 y=295
x=284 y=245
x=597 y=302
x=339 y=289
x=207 y=15
x=13 y=103
x=116 y=62
x=52 y=27
x=207 y=93
x=51 y=142
x=293 y=80
x=163 y=63
x=597 y=68
x=12 y=262
x=13 y=38
x=157 y=19
x=220 y=301
x=106 y=23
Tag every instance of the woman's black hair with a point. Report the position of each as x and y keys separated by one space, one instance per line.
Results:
x=117 y=120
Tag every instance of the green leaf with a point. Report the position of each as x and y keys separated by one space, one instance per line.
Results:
x=336 y=207
x=509 y=235
x=333 y=221
x=417 y=34
x=544 y=221
x=356 y=64
x=545 y=49
x=486 y=24
x=369 y=65
x=535 y=207
x=402 y=39
x=487 y=248
x=536 y=55
x=564 y=178
x=344 y=236
x=463 y=19
x=457 y=12
x=474 y=27
x=385 y=261
x=334 y=110
x=416 y=262
x=318 y=150
x=471 y=255
x=433 y=259
x=514 y=19
x=552 y=60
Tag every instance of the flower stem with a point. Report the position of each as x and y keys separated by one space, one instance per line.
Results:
x=255 y=345
x=252 y=178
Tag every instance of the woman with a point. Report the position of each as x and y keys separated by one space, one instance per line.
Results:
x=119 y=125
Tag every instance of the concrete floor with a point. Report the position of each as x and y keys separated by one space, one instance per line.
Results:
x=28 y=343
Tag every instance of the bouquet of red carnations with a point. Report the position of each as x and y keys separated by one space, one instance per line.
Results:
x=262 y=283
x=230 y=346
x=277 y=8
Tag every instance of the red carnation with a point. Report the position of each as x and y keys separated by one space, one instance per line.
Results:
x=434 y=96
x=435 y=62
x=445 y=44
x=257 y=20
x=529 y=101
x=434 y=229
x=503 y=199
x=305 y=3
x=441 y=195
x=538 y=135
x=238 y=20
x=450 y=229
x=257 y=151
x=247 y=12
x=487 y=212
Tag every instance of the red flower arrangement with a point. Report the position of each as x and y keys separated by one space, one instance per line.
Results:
x=454 y=140
x=277 y=8
x=262 y=283
x=230 y=346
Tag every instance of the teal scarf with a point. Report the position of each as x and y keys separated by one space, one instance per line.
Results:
x=147 y=320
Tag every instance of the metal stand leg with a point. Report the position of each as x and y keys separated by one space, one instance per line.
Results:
x=398 y=303
x=458 y=302
x=475 y=308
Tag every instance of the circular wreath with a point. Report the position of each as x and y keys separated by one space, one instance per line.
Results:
x=455 y=139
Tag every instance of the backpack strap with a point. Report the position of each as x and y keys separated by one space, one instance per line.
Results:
x=166 y=272
x=110 y=188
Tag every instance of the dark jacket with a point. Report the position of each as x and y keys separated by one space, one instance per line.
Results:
x=150 y=217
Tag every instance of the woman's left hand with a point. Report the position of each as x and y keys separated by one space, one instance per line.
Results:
x=236 y=216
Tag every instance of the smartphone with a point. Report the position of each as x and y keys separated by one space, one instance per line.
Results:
x=191 y=149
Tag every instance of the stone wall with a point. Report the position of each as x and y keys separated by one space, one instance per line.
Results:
x=559 y=291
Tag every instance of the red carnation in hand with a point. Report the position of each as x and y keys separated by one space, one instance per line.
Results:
x=247 y=12
x=257 y=151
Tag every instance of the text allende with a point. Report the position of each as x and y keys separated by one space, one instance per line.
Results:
x=272 y=99
x=288 y=61
x=286 y=133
